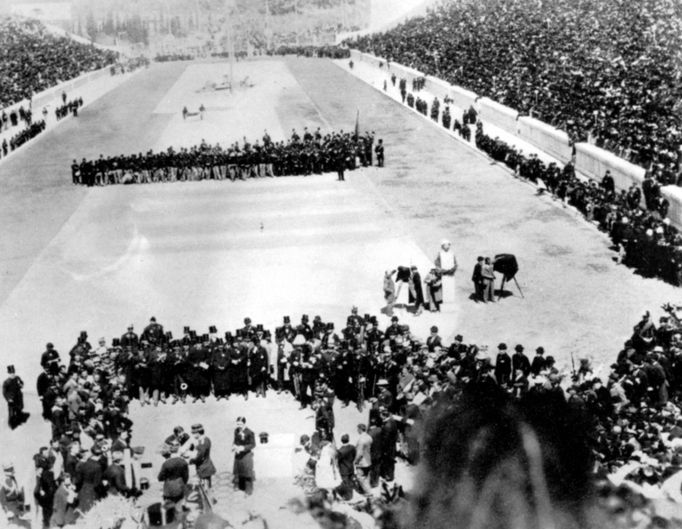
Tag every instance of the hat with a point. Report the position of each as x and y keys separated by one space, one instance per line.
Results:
x=317 y=318
x=186 y=329
x=459 y=338
x=304 y=317
x=212 y=329
x=259 y=327
x=540 y=350
x=518 y=348
x=116 y=342
x=434 y=329
x=196 y=427
x=205 y=338
x=502 y=347
x=382 y=382
x=169 y=336
x=247 y=321
x=11 y=370
x=394 y=318
x=330 y=326
x=287 y=319
x=8 y=467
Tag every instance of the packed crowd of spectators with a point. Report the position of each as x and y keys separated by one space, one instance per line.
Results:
x=311 y=153
x=607 y=72
x=32 y=59
x=27 y=134
x=635 y=218
x=629 y=416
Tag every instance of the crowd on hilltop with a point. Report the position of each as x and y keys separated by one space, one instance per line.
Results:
x=635 y=218
x=629 y=414
x=310 y=153
x=32 y=59
x=605 y=72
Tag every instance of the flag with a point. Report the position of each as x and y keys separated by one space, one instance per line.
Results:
x=357 y=125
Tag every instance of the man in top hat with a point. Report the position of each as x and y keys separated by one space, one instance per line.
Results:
x=304 y=328
x=258 y=365
x=446 y=263
x=201 y=448
x=12 y=391
x=242 y=446
x=286 y=332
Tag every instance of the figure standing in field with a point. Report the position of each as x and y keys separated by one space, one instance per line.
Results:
x=447 y=265
x=12 y=391
x=243 y=445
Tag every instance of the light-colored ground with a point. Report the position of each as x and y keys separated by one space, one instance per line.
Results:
x=194 y=253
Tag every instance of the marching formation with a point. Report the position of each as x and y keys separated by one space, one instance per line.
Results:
x=311 y=153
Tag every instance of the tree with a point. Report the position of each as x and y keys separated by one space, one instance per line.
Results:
x=91 y=26
x=109 y=27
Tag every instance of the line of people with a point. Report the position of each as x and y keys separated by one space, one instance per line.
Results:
x=643 y=237
x=311 y=153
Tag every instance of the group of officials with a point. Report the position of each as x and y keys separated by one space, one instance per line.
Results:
x=306 y=154
x=395 y=374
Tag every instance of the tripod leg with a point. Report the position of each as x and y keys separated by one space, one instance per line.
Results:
x=517 y=286
x=499 y=296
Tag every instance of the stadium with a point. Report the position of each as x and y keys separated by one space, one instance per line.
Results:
x=226 y=211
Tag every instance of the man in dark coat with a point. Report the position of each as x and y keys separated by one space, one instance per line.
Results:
x=375 y=451
x=477 y=278
x=153 y=333
x=174 y=473
x=503 y=368
x=346 y=462
x=243 y=445
x=115 y=476
x=89 y=480
x=416 y=291
x=44 y=492
x=520 y=361
x=389 y=438
x=13 y=394
x=202 y=456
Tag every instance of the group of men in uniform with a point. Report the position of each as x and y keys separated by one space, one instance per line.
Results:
x=311 y=153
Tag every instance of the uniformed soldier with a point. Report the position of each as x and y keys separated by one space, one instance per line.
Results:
x=130 y=339
x=153 y=333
